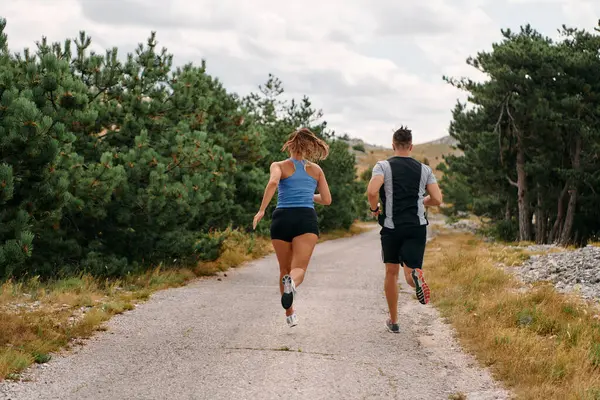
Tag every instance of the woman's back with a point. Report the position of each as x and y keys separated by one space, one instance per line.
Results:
x=298 y=188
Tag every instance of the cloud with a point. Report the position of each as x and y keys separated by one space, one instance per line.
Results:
x=370 y=66
x=155 y=14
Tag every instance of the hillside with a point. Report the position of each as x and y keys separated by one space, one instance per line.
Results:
x=432 y=152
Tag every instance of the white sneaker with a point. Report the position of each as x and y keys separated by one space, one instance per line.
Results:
x=292 y=320
x=289 y=292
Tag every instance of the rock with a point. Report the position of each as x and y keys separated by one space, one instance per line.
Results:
x=569 y=271
x=465 y=225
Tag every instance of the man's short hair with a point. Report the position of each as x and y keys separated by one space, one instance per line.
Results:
x=403 y=137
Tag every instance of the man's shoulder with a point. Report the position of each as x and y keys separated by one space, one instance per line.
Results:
x=380 y=167
x=381 y=164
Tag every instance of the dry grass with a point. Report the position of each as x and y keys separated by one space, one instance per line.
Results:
x=542 y=344
x=434 y=153
x=39 y=318
x=367 y=160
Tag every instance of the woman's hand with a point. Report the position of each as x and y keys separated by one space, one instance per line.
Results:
x=259 y=215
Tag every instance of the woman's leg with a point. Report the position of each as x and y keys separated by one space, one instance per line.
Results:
x=302 y=249
x=283 y=250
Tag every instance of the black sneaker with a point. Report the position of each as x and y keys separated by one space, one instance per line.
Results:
x=394 y=328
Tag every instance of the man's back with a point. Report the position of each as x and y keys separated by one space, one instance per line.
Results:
x=403 y=191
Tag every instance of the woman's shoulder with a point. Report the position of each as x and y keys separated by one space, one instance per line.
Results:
x=316 y=170
x=314 y=165
x=280 y=163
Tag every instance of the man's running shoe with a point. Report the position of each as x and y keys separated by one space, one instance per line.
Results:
x=292 y=320
x=394 y=328
x=289 y=291
x=421 y=287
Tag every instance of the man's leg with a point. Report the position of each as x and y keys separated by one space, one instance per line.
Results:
x=390 y=252
x=390 y=287
x=408 y=276
x=413 y=252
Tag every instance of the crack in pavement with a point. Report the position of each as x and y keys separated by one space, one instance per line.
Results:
x=283 y=349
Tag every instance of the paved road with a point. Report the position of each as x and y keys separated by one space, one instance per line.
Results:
x=228 y=340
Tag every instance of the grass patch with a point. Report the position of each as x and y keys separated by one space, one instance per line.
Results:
x=39 y=318
x=540 y=343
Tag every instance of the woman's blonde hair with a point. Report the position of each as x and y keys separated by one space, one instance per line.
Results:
x=306 y=143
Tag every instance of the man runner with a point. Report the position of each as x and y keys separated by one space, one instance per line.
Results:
x=401 y=182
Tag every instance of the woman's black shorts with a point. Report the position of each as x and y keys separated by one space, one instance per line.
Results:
x=287 y=223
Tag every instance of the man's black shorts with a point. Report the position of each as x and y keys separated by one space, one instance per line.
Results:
x=404 y=245
x=287 y=223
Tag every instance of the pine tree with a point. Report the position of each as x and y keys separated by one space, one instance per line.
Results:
x=536 y=115
x=178 y=184
x=35 y=147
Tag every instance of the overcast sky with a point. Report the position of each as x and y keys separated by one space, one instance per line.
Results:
x=371 y=65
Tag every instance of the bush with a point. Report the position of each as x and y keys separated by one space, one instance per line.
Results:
x=365 y=176
x=359 y=147
x=109 y=167
x=504 y=230
x=347 y=193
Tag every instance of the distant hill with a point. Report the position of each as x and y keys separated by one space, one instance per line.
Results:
x=430 y=152
x=448 y=140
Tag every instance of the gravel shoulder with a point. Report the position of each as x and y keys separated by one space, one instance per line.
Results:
x=223 y=339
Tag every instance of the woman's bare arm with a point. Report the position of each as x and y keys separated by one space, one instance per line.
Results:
x=271 y=186
x=269 y=192
x=324 y=196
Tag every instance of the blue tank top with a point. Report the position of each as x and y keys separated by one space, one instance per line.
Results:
x=298 y=189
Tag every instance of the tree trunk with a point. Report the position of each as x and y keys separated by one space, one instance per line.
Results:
x=541 y=235
x=560 y=215
x=549 y=227
x=567 y=230
x=565 y=237
x=524 y=214
x=507 y=213
x=540 y=218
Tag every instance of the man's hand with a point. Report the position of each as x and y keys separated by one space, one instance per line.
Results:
x=375 y=213
x=373 y=194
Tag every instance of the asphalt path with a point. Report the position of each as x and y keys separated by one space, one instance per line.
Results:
x=227 y=339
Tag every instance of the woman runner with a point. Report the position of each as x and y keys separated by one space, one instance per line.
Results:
x=294 y=228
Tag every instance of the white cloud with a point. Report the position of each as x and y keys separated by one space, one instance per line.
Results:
x=370 y=65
